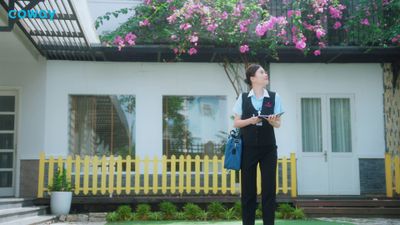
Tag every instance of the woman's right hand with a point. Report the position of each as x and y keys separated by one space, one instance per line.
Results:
x=254 y=120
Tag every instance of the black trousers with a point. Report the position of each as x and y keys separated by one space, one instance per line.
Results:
x=267 y=157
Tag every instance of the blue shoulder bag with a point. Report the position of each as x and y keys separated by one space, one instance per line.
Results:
x=233 y=151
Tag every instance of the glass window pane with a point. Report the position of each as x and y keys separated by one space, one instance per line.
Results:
x=102 y=125
x=7 y=122
x=311 y=124
x=7 y=103
x=6 y=141
x=5 y=179
x=340 y=124
x=6 y=160
x=194 y=125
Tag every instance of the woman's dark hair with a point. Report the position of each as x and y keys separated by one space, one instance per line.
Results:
x=251 y=72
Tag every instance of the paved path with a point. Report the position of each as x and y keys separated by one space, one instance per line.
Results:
x=365 y=221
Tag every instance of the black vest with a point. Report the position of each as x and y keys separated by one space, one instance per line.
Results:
x=253 y=135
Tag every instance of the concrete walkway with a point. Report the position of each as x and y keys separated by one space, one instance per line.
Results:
x=364 y=221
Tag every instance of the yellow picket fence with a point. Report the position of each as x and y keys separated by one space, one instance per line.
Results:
x=392 y=171
x=183 y=175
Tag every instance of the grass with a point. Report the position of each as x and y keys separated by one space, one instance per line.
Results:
x=258 y=222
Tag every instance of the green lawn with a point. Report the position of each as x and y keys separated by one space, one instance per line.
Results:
x=258 y=222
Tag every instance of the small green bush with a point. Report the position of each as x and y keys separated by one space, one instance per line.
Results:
x=259 y=211
x=230 y=214
x=278 y=215
x=285 y=210
x=237 y=208
x=298 y=214
x=155 y=216
x=203 y=215
x=143 y=211
x=112 y=217
x=180 y=216
x=192 y=211
x=124 y=212
x=168 y=210
x=216 y=210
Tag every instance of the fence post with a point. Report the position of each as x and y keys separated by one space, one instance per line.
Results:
x=293 y=175
x=86 y=175
x=284 y=175
x=119 y=175
x=94 y=175
x=128 y=175
x=197 y=174
x=388 y=172
x=77 y=174
x=41 y=174
x=397 y=173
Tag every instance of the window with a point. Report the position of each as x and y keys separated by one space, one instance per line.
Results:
x=102 y=125
x=194 y=125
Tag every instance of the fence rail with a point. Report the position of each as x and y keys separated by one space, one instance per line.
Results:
x=392 y=171
x=183 y=175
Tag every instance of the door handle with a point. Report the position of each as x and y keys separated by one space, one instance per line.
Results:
x=326 y=156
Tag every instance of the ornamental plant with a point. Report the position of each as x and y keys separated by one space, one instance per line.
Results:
x=60 y=182
x=249 y=26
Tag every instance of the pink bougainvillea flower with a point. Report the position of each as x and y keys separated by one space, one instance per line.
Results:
x=193 y=38
x=185 y=26
x=317 y=52
x=130 y=38
x=192 y=51
x=224 y=15
x=337 y=25
x=260 y=30
x=301 y=45
x=144 y=23
x=244 y=48
x=238 y=9
x=289 y=13
x=118 y=39
x=320 y=33
x=172 y=18
x=243 y=25
x=308 y=26
x=295 y=12
x=212 y=27
x=365 y=22
x=336 y=13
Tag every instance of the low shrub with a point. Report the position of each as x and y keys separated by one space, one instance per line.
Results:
x=216 y=210
x=143 y=211
x=168 y=210
x=192 y=211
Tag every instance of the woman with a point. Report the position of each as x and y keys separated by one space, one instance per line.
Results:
x=259 y=145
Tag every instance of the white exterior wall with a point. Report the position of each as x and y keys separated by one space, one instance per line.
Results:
x=23 y=71
x=147 y=81
x=150 y=81
x=363 y=81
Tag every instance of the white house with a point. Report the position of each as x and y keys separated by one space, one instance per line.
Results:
x=333 y=121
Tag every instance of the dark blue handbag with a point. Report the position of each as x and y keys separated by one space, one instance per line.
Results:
x=233 y=151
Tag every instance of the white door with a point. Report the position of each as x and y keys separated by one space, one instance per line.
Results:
x=7 y=142
x=327 y=164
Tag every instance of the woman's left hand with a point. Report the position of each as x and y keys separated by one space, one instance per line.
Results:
x=274 y=120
